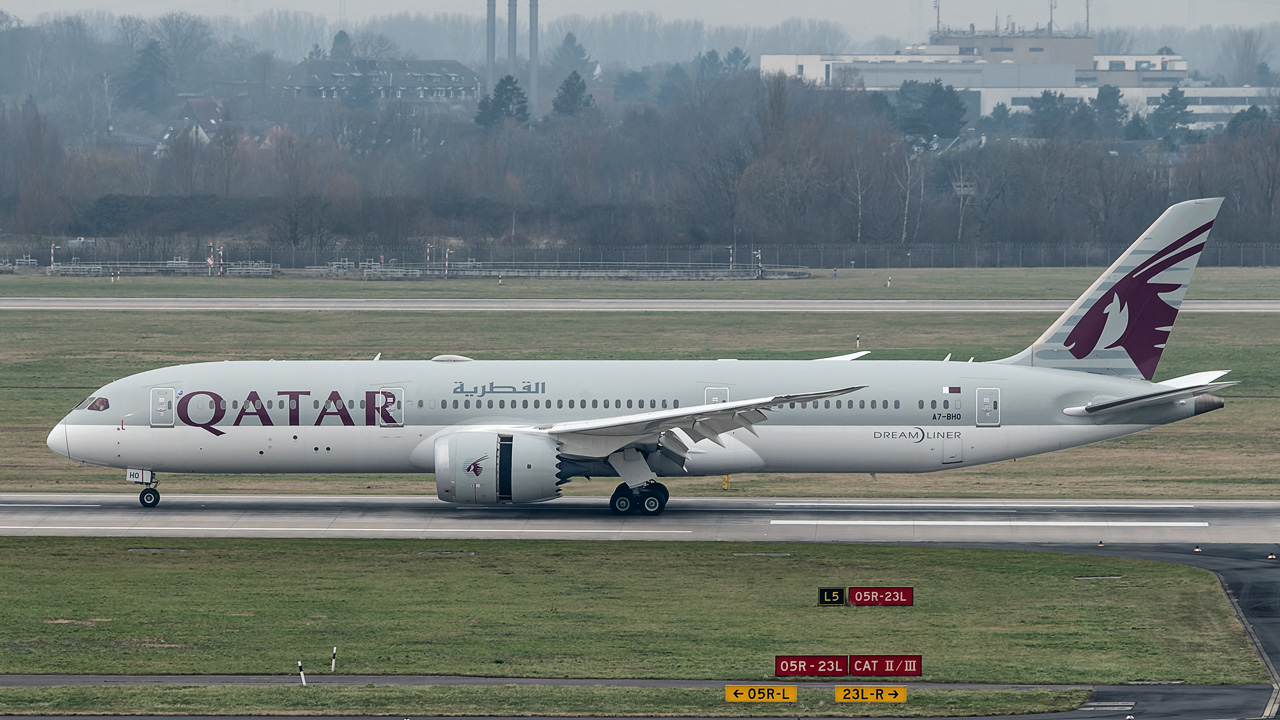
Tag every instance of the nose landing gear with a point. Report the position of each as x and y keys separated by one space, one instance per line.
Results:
x=150 y=496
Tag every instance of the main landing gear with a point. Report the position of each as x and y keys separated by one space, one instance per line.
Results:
x=650 y=499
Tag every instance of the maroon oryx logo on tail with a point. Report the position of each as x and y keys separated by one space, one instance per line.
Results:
x=1131 y=313
x=474 y=468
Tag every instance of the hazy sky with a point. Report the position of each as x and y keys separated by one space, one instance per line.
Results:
x=908 y=19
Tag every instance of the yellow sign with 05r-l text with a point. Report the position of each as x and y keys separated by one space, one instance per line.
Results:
x=871 y=693
x=760 y=693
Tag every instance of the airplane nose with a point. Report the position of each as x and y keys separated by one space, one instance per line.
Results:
x=57 y=440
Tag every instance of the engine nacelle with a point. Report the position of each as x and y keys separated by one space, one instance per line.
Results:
x=484 y=467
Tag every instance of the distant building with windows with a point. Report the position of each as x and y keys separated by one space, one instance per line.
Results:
x=423 y=83
x=1012 y=68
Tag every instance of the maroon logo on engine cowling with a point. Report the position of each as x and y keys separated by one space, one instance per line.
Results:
x=474 y=468
x=1135 y=301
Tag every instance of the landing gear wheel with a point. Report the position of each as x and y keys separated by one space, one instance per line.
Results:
x=623 y=501
x=660 y=488
x=149 y=497
x=653 y=502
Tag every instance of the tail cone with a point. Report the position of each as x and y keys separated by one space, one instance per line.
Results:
x=1208 y=403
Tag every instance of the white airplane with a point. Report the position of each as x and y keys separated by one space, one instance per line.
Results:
x=497 y=432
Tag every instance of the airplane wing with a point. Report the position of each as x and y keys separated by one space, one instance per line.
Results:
x=1184 y=387
x=698 y=422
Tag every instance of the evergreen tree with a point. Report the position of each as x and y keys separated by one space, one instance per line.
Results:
x=930 y=109
x=1249 y=122
x=631 y=86
x=1083 y=122
x=1109 y=111
x=674 y=85
x=1050 y=114
x=507 y=101
x=573 y=97
x=147 y=84
x=317 y=53
x=341 y=49
x=571 y=57
x=736 y=61
x=1137 y=128
x=709 y=64
x=1171 y=114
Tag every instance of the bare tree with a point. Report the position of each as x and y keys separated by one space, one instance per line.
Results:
x=187 y=40
x=1243 y=51
x=132 y=33
x=374 y=46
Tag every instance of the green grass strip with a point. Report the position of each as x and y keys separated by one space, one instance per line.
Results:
x=610 y=610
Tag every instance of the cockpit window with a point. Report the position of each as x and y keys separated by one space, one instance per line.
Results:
x=99 y=404
x=86 y=402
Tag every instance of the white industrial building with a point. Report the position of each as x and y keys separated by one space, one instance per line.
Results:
x=989 y=69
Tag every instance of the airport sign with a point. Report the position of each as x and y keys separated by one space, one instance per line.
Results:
x=810 y=665
x=882 y=596
x=830 y=596
x=871 y=693
x=759 y=693
x=871 y=665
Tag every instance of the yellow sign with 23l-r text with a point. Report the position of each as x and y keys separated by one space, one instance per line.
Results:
x=871 y=693
x=760 y=693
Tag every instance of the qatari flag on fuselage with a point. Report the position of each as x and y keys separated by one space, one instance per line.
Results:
x=951 y=390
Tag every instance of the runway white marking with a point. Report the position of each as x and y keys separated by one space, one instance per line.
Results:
x=163 y=528
x=27 y=505
x=994 y=523
x=981 y=505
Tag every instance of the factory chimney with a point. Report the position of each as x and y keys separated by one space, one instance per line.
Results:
x=511 y=36
x=492 y=35
x=533 y=56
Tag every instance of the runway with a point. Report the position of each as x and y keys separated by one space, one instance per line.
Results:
x=456 y=305
x=1178 y=523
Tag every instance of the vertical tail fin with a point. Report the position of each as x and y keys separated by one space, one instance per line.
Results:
x=1120 y=324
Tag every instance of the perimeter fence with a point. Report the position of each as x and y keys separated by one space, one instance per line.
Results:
x=581 y=260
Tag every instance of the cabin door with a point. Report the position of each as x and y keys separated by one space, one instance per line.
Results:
x=987 y=408
x=161 y=407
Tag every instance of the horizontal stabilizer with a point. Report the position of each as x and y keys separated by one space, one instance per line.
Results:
x=1146 y=400
x=850 y=356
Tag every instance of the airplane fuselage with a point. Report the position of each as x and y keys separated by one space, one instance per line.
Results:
x=384 y=416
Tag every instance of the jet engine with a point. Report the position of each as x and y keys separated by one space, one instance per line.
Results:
x=484 y=467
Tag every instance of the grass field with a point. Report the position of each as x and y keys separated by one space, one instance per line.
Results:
x=514 y=701
x=608 y=610
x=918 y=283
x=53 y=360
x=615 y=609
